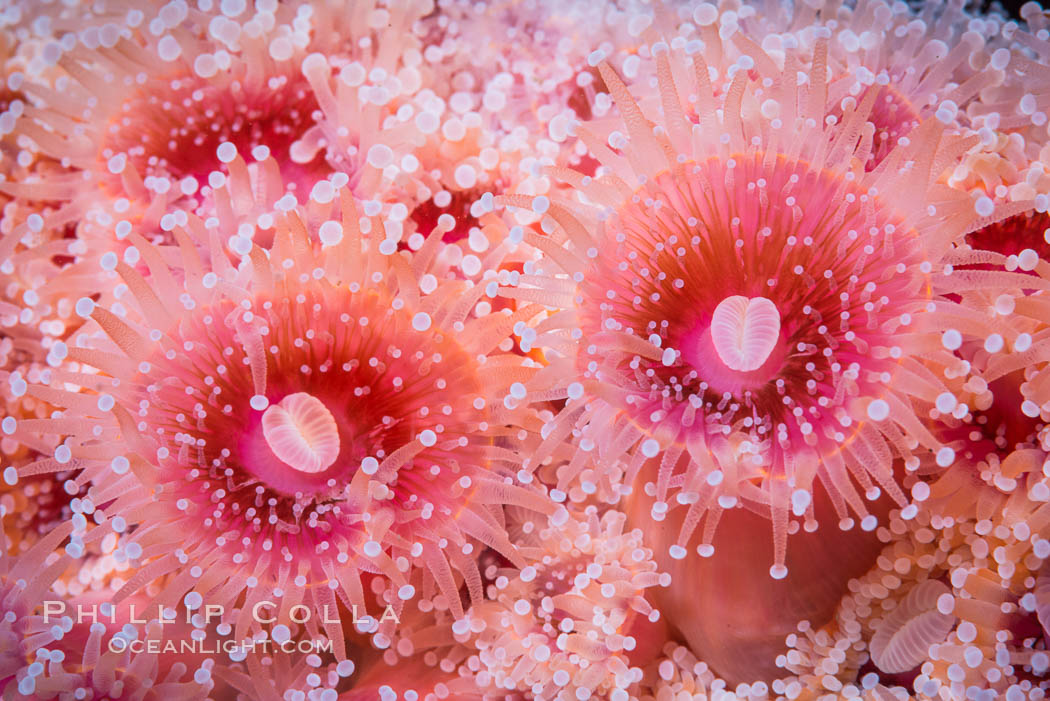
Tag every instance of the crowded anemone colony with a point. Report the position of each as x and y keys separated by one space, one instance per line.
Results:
x=627 y=350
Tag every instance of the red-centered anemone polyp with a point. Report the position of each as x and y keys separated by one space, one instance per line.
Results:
x=186 y=117
x=142 y=106
x=278 y=429
x=748 y=313
x=936 y=69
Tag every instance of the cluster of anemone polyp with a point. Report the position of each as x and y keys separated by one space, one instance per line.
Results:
x=626 y=350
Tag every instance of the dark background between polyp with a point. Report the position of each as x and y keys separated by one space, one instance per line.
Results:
x=1012 y=7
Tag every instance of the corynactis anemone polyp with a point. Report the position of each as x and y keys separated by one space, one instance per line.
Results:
x=24 y=581
x=742 y=647
x=749 y=317
x=318 y=412
x=46 y=654
x=930 y=71
x=159 y=103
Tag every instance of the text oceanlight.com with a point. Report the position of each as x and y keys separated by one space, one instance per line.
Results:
x=154 y=646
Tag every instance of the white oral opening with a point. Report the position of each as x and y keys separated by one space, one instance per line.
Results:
x=301 y=433
x=745 y=331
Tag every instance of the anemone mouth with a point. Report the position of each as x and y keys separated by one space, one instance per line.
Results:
x=173 y=126
x=700 y=351
x=745 y=332
x=301 y=432
x=683 y=246
x=291 y=459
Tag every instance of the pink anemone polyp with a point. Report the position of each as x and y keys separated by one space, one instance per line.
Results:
x=310 y=417
x=713 y=403
x=141 y=113
x=574 y=621
x=342 y=384
x=713 y=249
x=894 y=117
x=771 y=321
x=180 y=122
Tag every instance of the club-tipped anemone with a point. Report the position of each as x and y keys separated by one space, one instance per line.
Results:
x=938 y=66
x=421 y=658
x=45 y=652
x=288 y=660
x=22 y=585
x=422 y=632
x=39 y=287
x=985 y=414
x=31 y=507
x=367 y=126
x=458 y=170
x=677 y=673
x=677 y=382
x=311 y=415
x=1014 y=237
x=1005 y=167
x=1013 y=162
x=142 y=104
x=99 y=671
x=570 y=623
x=993 y=425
